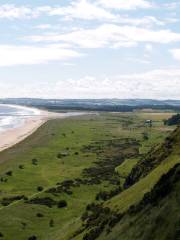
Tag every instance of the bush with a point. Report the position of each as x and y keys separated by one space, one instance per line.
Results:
x=49 y=202
x=21 y=166
x=51 y=223
x=32 y=238
x=40 y=215
x=34 y=161
x=8 y=200
x=62 y=204
x=40 y=188
x=9 y=173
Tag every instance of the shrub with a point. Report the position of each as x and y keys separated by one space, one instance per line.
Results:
x=51 y=223
x=62 y=204
x=9 y=173
x=21 y=166
x=40 y=215
x=34 y=161
x=7 y=201
x=40 y=188
x=32 y=238
x=49 y=202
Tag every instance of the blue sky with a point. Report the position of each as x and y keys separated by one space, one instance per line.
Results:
x=90 y=49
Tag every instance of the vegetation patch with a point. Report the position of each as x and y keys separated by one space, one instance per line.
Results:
x=7 y=201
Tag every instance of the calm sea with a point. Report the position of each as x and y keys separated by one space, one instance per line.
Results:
x=12 y=116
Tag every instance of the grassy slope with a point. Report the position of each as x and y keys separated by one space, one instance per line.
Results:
x=152 y=220
x=20 y=218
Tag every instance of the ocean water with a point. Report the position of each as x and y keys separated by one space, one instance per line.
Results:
x=12 y=116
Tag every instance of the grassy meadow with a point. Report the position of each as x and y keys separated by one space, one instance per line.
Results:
x=47 y=181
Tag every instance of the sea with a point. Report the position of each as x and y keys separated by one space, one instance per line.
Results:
x=13 y=116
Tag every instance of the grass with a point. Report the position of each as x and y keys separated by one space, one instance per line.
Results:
x=125 y=168
x=70 y=136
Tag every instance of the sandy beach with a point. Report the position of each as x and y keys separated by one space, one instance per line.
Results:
x=13 y=136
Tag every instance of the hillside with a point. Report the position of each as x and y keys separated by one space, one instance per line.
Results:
x=174 y=120
x=149 y=208
x=52 y=181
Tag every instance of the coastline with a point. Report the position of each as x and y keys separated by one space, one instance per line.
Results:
x=11 y=137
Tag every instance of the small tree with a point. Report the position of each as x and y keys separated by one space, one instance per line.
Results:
x=40 y=188
x=9 y=173
x=32 y=238
x=51 y=223
x=62 y=204
x=21 y=166
x=34 y=161
x=40 y=215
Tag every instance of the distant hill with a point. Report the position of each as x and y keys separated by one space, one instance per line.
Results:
x=116 y=105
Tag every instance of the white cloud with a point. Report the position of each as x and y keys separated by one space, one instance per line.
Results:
x=11 y=11
x=44 y=26
x=126 y=4
x=110 y=35
x=160 y=83
x=82 y=9
x=176 y=53
x=157 y=84
x=24 y=55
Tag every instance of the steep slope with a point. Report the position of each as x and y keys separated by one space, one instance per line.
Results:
x=153 y=158
x=149 y=208
x=156 y=217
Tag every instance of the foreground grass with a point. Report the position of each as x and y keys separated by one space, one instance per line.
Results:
x=36 y=162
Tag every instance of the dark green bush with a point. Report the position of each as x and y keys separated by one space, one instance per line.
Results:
x=51 y=223
x=32 y=238
x=62 y=204
x=40 y=188
x=40 y=215
x=34 y=161
x=9 y=173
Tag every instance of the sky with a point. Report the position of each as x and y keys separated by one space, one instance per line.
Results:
x=90 y=49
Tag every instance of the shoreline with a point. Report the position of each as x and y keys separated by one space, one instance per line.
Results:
x=11 y=137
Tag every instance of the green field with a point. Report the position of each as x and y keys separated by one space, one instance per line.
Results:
x=73 y=160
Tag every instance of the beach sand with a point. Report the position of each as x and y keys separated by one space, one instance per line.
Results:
x=13 y=136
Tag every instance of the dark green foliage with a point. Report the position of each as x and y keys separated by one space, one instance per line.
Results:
x=40 y=188
x=40 y=215
x=1 y=235
x=34 y=161
x=152 y=159
x=145 y=136
x=64 y=187
x=62 y=204
x=32 y=238
x=103 y=195
x=21 y=166
x=62 y=154
x=162 y=189
x=3 y=179
x=51 y=223
x=8 y=201
x=119 y=150
x=174 y=120
x=47 y=201
x=9 y=173
x=24 y=225
x=96 y=219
